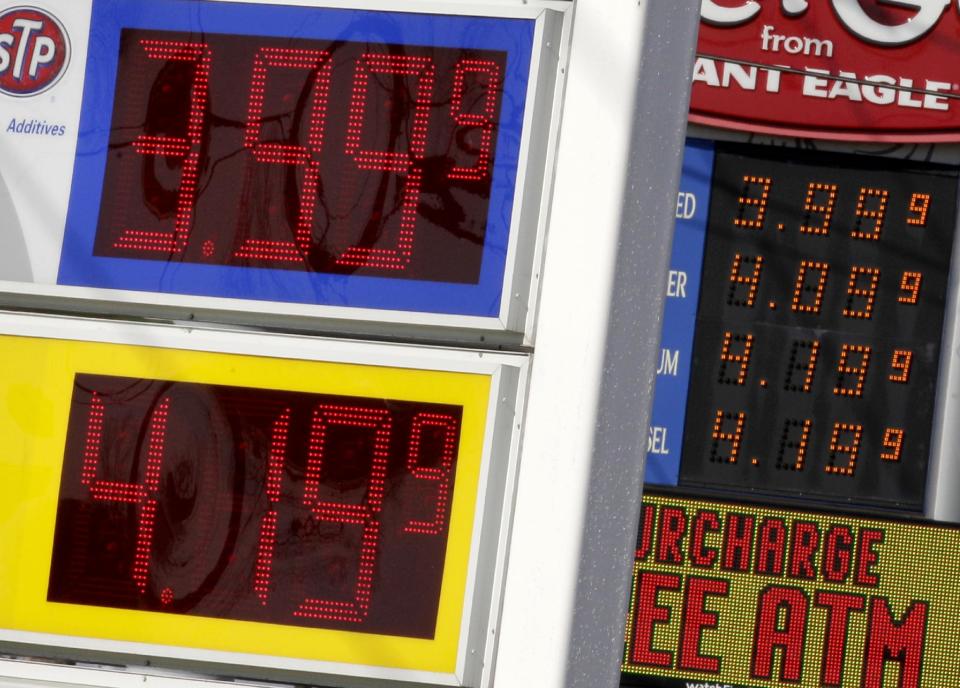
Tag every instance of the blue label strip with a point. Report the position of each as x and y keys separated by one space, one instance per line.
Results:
x=78 y=265
x=679 y=316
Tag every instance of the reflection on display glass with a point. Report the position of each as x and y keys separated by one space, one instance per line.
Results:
x=261 y=505
x=327 y=156
x=819 y=324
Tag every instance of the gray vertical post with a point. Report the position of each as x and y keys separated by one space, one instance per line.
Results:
x=633 y=338
x=608 y=245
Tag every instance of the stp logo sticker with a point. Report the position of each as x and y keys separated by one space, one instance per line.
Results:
x=34 y=51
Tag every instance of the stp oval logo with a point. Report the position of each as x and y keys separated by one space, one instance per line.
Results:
x=34 y=51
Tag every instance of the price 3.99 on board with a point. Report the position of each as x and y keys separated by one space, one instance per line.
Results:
x=818 y=328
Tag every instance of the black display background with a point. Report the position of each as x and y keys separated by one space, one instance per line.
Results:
x=893 y=325
x=239 y=197
x=212 y=499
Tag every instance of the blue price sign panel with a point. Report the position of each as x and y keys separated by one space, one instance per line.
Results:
x=305 y=155
x=680 y=314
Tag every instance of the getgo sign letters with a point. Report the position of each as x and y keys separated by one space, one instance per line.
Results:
x=847 y=69
x=850 y=12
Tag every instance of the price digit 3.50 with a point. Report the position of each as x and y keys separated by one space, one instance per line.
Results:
x=308 y=156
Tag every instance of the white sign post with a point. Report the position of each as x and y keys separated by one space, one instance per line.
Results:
x=578 y=497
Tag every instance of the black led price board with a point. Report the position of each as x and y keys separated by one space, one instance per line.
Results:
x=818 y=329
x=262 y=505
x=329 y=198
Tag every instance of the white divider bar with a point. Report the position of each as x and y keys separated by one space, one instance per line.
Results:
x=608 y=247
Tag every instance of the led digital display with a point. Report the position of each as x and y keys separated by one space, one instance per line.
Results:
x=300 y=154
x=350 y=159
x=726 y=593
x=191 y=502
x=817 y=340
x=254 y=504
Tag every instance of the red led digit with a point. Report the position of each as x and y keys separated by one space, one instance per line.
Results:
x=910 y=287
x=868 y=292
x=737 y=278
x=902 y=358
x=734 y=437
x=370 y=66
x=860 y=370
x=442 y=474
x=790 y=441
x=825 y=209
x=365 y=514
x=893 y=444
x=758 y=202
x=877 y=215
x=806 y=365
x=268 y=526
x=802 y=288
x=272 y=506
x=919 y=206
x=483 y=120
x=742 y=359
x=849 y=446
x=143 y=494
x=288 y=154
x=187 y=148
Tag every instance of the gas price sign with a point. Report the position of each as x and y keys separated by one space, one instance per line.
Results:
x=309 y=510
x=817 y=334
x=356 y=159
x=119 y=544
x=749 y=596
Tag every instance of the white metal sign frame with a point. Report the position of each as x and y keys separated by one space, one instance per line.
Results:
x=32 y=245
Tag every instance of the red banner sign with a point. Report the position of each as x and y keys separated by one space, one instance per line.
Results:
x=858 y=70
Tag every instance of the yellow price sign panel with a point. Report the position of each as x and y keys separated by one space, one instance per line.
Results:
x=735 y=594
x=302 y=509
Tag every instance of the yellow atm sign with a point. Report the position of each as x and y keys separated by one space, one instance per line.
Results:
x=743 y=595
